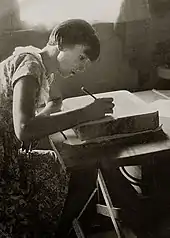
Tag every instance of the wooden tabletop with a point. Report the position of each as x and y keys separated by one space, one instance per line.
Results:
x=138 y=149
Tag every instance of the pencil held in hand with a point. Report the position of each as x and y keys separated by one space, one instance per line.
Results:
x=100 y=107
x=88 y=93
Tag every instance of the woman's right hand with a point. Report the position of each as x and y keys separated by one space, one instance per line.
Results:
x=97 y=109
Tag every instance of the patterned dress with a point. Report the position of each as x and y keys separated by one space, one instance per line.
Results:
x=32 y=188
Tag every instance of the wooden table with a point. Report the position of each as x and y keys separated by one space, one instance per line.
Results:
x=136 y=150
x=122 y=152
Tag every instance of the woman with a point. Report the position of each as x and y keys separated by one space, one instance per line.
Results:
x=32 y=190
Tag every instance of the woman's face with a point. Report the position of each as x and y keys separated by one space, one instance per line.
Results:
x=71 y=60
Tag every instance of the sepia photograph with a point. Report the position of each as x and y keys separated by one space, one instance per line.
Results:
x=84 y=119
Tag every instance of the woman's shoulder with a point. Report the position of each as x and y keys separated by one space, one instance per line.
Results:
x=25 y=62
x=26 y=59
x=27 y=55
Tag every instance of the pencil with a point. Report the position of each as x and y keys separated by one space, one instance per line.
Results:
x=87 y=92
x=160 y=94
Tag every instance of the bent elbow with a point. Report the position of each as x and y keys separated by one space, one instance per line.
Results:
x=22 y=133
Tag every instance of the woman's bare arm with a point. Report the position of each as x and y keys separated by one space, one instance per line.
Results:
x=28 y=126
x=51 y=107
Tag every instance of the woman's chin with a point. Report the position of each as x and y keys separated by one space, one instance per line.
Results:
x=67 y=75
x=64 y=74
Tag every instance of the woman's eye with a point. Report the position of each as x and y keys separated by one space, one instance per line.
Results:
x=82 y=57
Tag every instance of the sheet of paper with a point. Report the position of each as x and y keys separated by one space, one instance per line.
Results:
x=126 y=104
x=163 y=106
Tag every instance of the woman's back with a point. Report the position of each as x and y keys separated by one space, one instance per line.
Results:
x=32 y=188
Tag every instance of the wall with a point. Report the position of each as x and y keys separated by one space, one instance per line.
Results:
x=126 y=52
x=111 y=72
x=10 y=40
x=9 y=15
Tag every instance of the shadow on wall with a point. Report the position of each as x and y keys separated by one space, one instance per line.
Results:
x=9 y=15
x=159 y=7
x=147 y=24
x=134 y=29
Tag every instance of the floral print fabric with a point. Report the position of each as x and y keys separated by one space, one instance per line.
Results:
x=32 y=187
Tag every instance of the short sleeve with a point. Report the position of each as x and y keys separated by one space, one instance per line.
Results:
x=26 y=65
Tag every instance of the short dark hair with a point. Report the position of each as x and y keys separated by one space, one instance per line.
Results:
x=76 y=31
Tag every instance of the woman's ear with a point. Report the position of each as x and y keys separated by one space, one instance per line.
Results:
x=60 y=47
